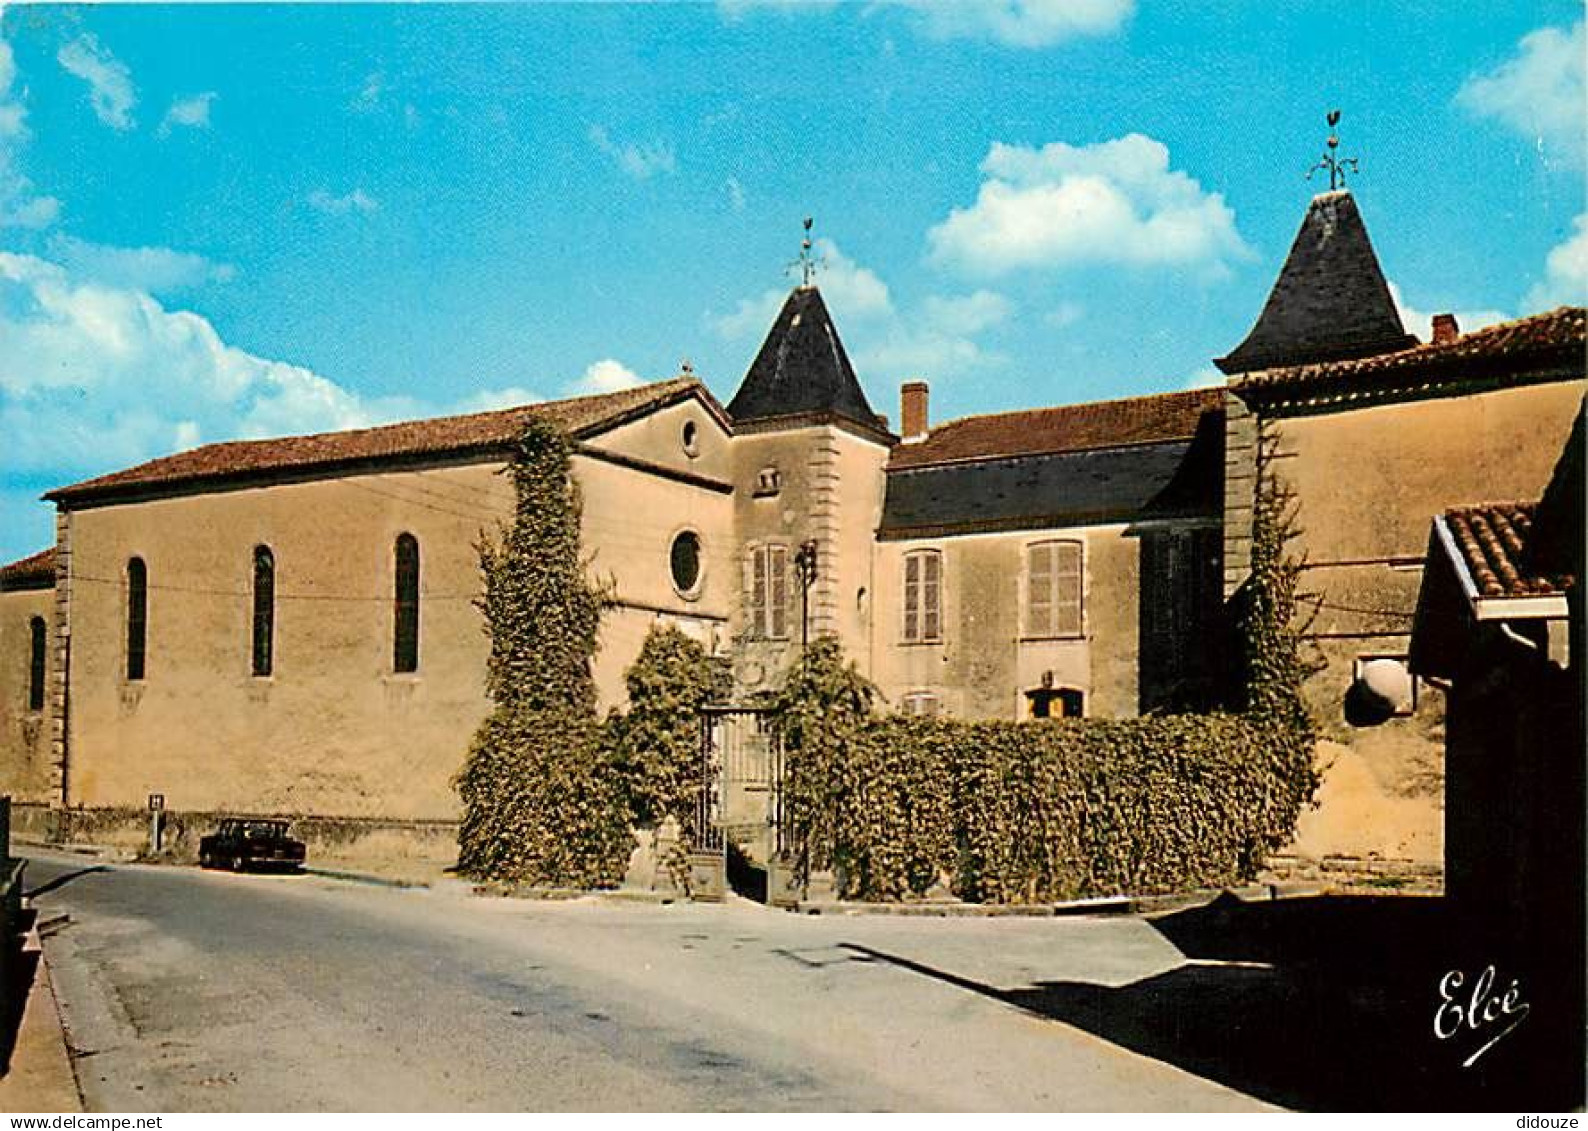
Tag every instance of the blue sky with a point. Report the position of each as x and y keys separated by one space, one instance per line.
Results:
x=251 y=220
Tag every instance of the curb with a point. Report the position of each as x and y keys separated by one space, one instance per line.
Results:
x=567 y=895
x=42 y=1076
x=367 y=878
x=1140 y=905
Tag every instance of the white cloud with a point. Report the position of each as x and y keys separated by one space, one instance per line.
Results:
x=1565 y=281
x=935 y=340
x=12 y=114
x=606 y=376
x=915 y=348
x=159 y=270
x=1021 y=23
x=735 y=10
x=194 y=113
x=20 y=207
x=1065 y=314
x=369 y=94
x=967 y=314
x=735 y=194
x=639 y=161
x=488 y=400
x=1538 y=91
x=1205 y=377
x=850 y=291
x=1421 y=322
x=97 y=374
x=1115 y=202
x=355 y=201
x=110 y=90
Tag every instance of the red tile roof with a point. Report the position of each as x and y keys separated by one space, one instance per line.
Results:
x=1554 y=339
x=1493 y=540
x=482 y=432
x=36 y=571
x=1067 y=428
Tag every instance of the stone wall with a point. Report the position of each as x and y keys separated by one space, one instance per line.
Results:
x=1369 y=481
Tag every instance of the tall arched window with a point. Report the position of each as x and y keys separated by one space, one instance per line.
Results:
x=264 y=609
x=405 y=630
x=137 y=616
x=36 y=665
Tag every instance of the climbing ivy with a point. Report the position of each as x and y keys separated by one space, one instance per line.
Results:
x=656 y=744
x=1273 y=660
x=1019 y=812
x=540 y=802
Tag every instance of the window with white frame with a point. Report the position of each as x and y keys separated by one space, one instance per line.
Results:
x=920 y=705
x=1053 y=589
x=767 y=592
x=923 y=596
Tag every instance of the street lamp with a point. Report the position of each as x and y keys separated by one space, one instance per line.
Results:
x=805 y=563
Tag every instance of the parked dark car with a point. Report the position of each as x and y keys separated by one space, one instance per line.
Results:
x=240 y=844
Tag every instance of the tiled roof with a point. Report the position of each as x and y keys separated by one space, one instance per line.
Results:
x=1493 y=540
x=1068 y=428
x=802 y=369
x=37 y=571
x=482 y=432
x=1554 y=339
x=1330 y=300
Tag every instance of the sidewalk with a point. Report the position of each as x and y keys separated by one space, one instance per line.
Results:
x=40 y=1078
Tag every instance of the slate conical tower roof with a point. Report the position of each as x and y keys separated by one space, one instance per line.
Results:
x=1330 y=302
x=802 y=370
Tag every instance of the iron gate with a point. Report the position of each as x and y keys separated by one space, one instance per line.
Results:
x=740 y=799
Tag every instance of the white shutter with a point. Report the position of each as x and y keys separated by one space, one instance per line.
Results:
x=1039 y=589
x=1067 y=588
x=932 y=596
x=777 y=589
x=912 y=597
x=755 y=612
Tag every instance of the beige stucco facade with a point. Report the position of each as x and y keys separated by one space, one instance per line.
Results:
x=1368 y=481
x=986 y=658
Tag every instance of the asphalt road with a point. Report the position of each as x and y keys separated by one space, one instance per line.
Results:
x=184 y=990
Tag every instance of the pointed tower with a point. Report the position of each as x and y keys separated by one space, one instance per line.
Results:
x=802 y=371
x=1330 y=302
x=809 y=453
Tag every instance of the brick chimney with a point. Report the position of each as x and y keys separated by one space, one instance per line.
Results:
x=913 y=423
x=1445 y=329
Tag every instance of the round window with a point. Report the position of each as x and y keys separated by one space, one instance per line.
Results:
x=686 y=562
x=691 y=439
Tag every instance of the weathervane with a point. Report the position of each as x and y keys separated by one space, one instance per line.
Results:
x=807 y=262
x=1336 y=166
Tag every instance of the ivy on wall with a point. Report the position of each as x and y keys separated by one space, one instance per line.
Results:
x=655 y=745
x=541 y=804
x=1021 y=812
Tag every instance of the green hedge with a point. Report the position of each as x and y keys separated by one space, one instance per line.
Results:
x=1006 y=812
x=1025 y=812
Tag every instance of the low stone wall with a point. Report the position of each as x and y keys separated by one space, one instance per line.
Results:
x=329 y=840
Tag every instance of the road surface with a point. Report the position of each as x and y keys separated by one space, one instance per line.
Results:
x=184 y=990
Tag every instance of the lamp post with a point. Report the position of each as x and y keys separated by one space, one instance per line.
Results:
x=805 y=563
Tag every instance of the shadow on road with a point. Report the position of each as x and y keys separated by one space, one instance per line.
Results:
x=64 y=879
x=1329 y=1004
x=20 y=970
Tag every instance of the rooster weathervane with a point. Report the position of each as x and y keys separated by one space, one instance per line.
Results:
x=1335 y=165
